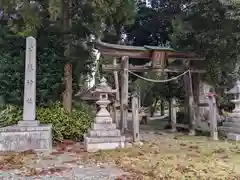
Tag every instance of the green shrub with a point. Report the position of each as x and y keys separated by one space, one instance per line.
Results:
x=10 y=115
x=65 y=126
x=83 y=106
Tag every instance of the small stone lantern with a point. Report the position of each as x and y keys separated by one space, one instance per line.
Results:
x=103 y=90
x=236 y=101
x=231 y=126
x=103 y=133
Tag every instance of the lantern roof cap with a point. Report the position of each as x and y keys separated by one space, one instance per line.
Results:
x=103 y=86
x=235 y=89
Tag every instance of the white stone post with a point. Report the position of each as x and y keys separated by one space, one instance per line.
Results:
x=135 y=120
x=29 y=106
x=213 y=116
x=173 y=114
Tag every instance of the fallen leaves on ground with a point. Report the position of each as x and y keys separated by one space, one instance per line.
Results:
x=181 y=157
x=130 y=177
x=13 y=160
x=164 y=158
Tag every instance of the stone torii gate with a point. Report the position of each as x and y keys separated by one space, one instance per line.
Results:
x=162 y=59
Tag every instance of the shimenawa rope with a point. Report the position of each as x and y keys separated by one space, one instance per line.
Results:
x=158 y=81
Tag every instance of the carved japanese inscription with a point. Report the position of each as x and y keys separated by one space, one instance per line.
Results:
x=29 y=111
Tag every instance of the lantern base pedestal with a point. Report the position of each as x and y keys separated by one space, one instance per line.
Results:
x=103 y=136
x=231 y=128
x=93 y=144
x=233 y=136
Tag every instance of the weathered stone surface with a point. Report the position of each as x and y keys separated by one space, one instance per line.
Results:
x=230 y=129
x=92 y=147
x=100 y=120
x=29 y=103
x=104 y=126
x=18 y=138
x=16 y=128
x=232 y=120
x=104 y=139
x=28 y=123
x=233 y=137
x=115 y=132
x=232 y=124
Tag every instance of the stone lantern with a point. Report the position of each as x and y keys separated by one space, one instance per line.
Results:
x=231 y=127
x=103 y=90
x=103 y=133
x=236 y=101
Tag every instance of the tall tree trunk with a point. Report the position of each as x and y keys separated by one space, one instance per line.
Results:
x=67 y=23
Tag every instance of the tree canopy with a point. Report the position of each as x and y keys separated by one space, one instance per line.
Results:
x=63 y=29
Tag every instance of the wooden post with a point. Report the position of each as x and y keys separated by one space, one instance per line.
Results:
x=173 y=114
x=191 y=108
x=213 y=116
x=169 y=111
x=124 y=94
x=196 y=87
x=186 y=107
x=190 y=100
x=116 y=102
x=115 y=114
x=115 y=73
x=135 y=120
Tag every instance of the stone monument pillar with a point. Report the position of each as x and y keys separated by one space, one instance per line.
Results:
x=231 y=127
x=29 y=104
x=103 y=133
x=28 y=134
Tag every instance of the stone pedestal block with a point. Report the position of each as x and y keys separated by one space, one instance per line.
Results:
x=103 y=126
x=93 y=144
x=29 y=123
x=22 y=138
x=103 y=136
x=231 y=129
x=104 y=133
x=233 y=137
